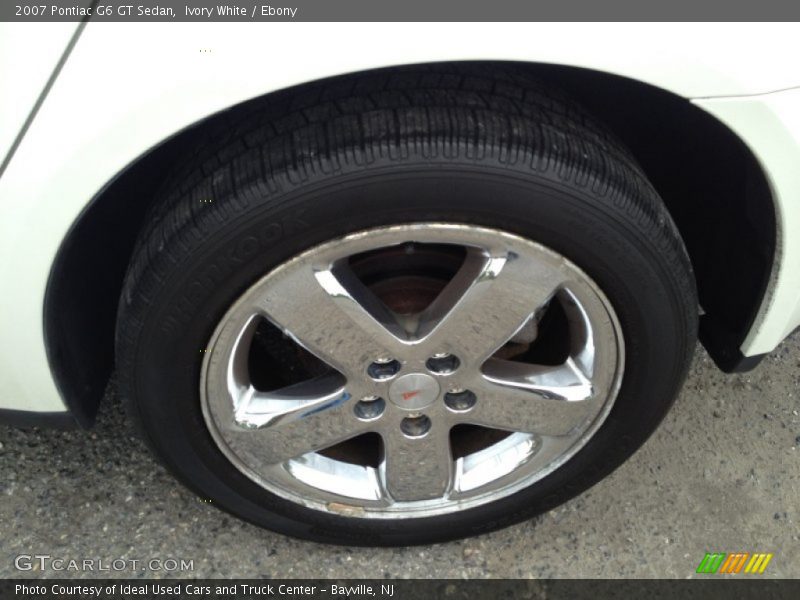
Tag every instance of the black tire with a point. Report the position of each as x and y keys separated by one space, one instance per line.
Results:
x=416 y=145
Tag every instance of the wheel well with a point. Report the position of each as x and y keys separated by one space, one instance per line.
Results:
x=711 y=183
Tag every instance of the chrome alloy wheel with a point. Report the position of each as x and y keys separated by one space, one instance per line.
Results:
x=497 y=376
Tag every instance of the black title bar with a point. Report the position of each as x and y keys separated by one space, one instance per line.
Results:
x=397 y=10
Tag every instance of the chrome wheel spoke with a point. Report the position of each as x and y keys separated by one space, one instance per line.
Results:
x=298 y=430
x=488 y=301
x=334 y=317
x=533 y=399
x=417 y=468
x=257 y=410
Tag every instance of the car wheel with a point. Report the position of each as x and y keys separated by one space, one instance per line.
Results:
x=404 y=310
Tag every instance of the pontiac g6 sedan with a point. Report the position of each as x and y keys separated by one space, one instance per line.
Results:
x=391 y=283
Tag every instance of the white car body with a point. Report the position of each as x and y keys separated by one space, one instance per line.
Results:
x=124 y=88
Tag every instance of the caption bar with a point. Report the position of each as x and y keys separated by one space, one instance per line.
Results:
x=406 y=11
x=402 y=589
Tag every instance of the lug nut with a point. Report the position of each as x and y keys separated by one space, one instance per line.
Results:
x=415 y=426
x=460 y=400
x=442 y=363
x=369 y=407
x=383 y=368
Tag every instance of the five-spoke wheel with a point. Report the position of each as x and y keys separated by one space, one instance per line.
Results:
x=467 y=358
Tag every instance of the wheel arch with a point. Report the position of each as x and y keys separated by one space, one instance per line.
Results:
x=711 y=182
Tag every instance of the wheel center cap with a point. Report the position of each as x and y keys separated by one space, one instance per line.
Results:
x=414 y=391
